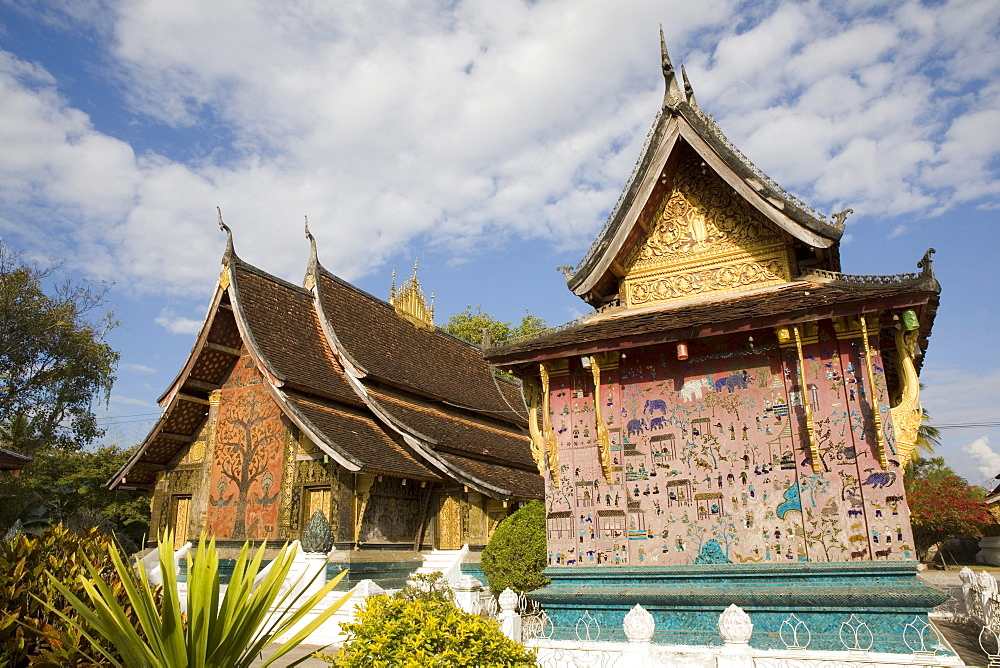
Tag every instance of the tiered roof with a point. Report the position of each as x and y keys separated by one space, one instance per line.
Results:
x=374 y=391
x=702 y=243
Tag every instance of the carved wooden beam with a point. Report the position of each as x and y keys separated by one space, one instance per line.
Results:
x=225 y=350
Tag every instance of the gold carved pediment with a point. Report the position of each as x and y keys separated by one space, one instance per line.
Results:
x=705 y=238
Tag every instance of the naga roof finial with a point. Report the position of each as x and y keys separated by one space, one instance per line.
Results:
x=313 y=255
x=230 y=252
x=688 y=89
x=925 y=264
x=310 y=280
x=673 y=95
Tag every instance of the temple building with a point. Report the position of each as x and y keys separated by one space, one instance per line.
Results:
x=296 y=399
x=730 y=425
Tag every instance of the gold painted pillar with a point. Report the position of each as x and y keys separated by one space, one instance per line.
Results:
x=362 y=495
x=603 y=439
x=796 y=336
x=551 y=446
x=873 y=395
x=199 y=502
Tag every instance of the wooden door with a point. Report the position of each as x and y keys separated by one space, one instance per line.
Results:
x=449 y=522
x=182 y=516
x=316 y=498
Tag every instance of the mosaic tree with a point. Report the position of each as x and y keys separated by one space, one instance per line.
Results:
x=247 y=445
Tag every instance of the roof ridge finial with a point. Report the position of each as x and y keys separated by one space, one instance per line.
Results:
x=688 y=89
x=313 y=267
x=230 y=251
x=673 y=95
x=392 y=288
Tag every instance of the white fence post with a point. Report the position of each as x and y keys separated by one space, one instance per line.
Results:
x=509 y=618
x=639 y=627
x=468 y=594
x=735 y=628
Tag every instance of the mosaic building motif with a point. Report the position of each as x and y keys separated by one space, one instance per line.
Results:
x=710 y=458
x=245 y=483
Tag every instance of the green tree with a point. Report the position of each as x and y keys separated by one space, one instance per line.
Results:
x=473 y=325
x=515 y=556
x=928 y=436
x=942 y=504
x=53 y=358
x=67 y=487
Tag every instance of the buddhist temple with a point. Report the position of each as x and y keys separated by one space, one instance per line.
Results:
x=296 y=399
x=731 y=422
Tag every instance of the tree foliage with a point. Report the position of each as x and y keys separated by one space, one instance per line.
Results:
x=53 y=358
x=516 y=556
x=216 y=630
x=68 y=488
x=472 y=324
x=942 y=504
x=31 y=631
x=424 y=631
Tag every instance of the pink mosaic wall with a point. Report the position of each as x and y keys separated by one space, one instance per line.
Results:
x=710 y=459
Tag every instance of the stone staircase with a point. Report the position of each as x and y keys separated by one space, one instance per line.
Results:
x=448 y=562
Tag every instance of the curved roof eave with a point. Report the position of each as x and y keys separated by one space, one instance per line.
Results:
x=213 y=308
x=351 y=365
x=315 y=435
x=243 y=326
x=421 y=444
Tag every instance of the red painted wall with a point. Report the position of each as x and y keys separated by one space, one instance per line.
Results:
x=246 y=463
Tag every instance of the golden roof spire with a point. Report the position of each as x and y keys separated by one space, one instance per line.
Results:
x=409 y=301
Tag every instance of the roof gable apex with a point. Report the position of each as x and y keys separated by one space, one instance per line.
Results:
x=681 y=125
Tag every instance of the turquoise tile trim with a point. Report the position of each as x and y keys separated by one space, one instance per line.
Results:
x=686 y=601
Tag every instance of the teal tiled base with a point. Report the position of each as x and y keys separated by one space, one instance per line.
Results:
x=686 y=601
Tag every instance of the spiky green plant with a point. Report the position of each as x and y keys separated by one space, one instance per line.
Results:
x=209 y=635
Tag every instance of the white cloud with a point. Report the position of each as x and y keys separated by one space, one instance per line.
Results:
x=985 y=456
x=957 y=397
x=138 y=368
x=897 y=231
x=131 y=401
x=176 y=324
x=462 y=125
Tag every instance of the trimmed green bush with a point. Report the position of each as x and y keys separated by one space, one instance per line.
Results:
x=31 y=632
x=515 y=556
x=390 y=632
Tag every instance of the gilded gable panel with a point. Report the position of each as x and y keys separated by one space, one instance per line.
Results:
x=705 y=238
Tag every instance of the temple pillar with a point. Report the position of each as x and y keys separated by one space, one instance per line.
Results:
x=199 y=500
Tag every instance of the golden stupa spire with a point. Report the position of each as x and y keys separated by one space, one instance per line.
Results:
x=409 y=301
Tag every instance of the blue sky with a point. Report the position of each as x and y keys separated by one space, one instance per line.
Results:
x=490 y=141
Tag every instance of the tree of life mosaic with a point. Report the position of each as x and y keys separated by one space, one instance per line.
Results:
x=246 y=468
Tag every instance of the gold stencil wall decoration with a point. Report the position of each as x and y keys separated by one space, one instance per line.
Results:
x=603 y=439
x=551 y=446
x=705 y=238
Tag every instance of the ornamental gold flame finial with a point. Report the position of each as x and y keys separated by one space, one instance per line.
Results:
x=409 y=301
